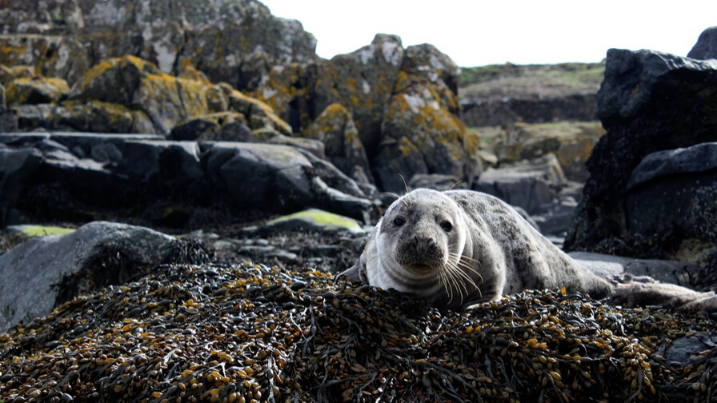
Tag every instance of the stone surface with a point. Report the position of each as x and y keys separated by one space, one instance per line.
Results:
x=335 y=128
x=312 y=220
x=533 y=109
x=649 y=102
x=531 y=185
x=706 y=46
x=33 y=270
x=36 y=91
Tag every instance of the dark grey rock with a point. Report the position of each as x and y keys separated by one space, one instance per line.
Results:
x=706 y=46
x=435 y=181
x=17 y=167
x=31 y=270
x=648 y=102
x=532 y=185
x=698 y=158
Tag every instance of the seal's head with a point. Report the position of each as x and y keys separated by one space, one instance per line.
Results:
x=419 y=244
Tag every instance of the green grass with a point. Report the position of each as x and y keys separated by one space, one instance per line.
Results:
x=539 y=80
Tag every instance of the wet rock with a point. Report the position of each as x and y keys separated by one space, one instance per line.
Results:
x=36 y=90
x=648 y=102
x=33 y=272
x=706 y=46
x=335 y=128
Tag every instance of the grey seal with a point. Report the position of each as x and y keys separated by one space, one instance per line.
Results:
x=459 y=248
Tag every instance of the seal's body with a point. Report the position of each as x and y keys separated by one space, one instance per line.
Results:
x=459 y=247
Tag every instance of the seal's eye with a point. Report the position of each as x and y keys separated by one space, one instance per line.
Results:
x=398 y=221
x=447 y=226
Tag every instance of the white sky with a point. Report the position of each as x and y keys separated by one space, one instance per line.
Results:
x=481 y=32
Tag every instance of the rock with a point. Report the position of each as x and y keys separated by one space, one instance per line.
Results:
x=335 y=128
x=362 y=82
x=8 y=74
x=519 y=141
x=556 y=221
x=221 y=126
x=17 y=167
x=664 y=271
x=139 y=85
x=99 y=117
x=674 y=192
x=532 y=185
x=37 y=273
x=706 y=46
x=435 y=181
x=281 y=179
x=312 y=220
x=420 y=135
x=36 y=91
x=649 y=102
x=30 y=231
x=505 y=110
x=47 y=55
x=213 y=37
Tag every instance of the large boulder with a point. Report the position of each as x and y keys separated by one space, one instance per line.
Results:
x=79 y=177
x=38 y=90
x=649 y=102
x=46 y=271
x=675 y=191
x=706 y=46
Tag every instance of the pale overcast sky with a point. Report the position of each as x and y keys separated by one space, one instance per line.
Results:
x=480 y=32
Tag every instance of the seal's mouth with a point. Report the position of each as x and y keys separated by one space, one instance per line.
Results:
x=421 y=268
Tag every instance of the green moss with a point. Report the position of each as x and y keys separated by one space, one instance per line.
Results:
x=321 y=218
x=41 y=230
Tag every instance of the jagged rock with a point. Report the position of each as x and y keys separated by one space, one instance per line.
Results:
x=362 y=82
x=706 y=46
x=36 y=91
x=649 y=102
x=335 y=128
x=98 y=117
x=215 y=37
x=419 y=127
x=259 y=115
x=532 y=185
x=49 y=55
x=221 y=126
x=39 y=271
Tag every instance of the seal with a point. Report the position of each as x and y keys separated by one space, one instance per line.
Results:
x=459 y=248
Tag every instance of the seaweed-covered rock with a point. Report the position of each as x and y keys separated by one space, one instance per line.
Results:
x=649 y=102
x=266 y=326
x=46 y=271
x=38 y=90
x=335 y=128
x=706 y=46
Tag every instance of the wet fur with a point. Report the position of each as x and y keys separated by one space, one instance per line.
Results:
x=489 y=252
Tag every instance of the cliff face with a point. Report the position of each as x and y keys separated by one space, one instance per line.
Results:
x=503 y=94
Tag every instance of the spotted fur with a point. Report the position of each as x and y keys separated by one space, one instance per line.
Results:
x=459 y=247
